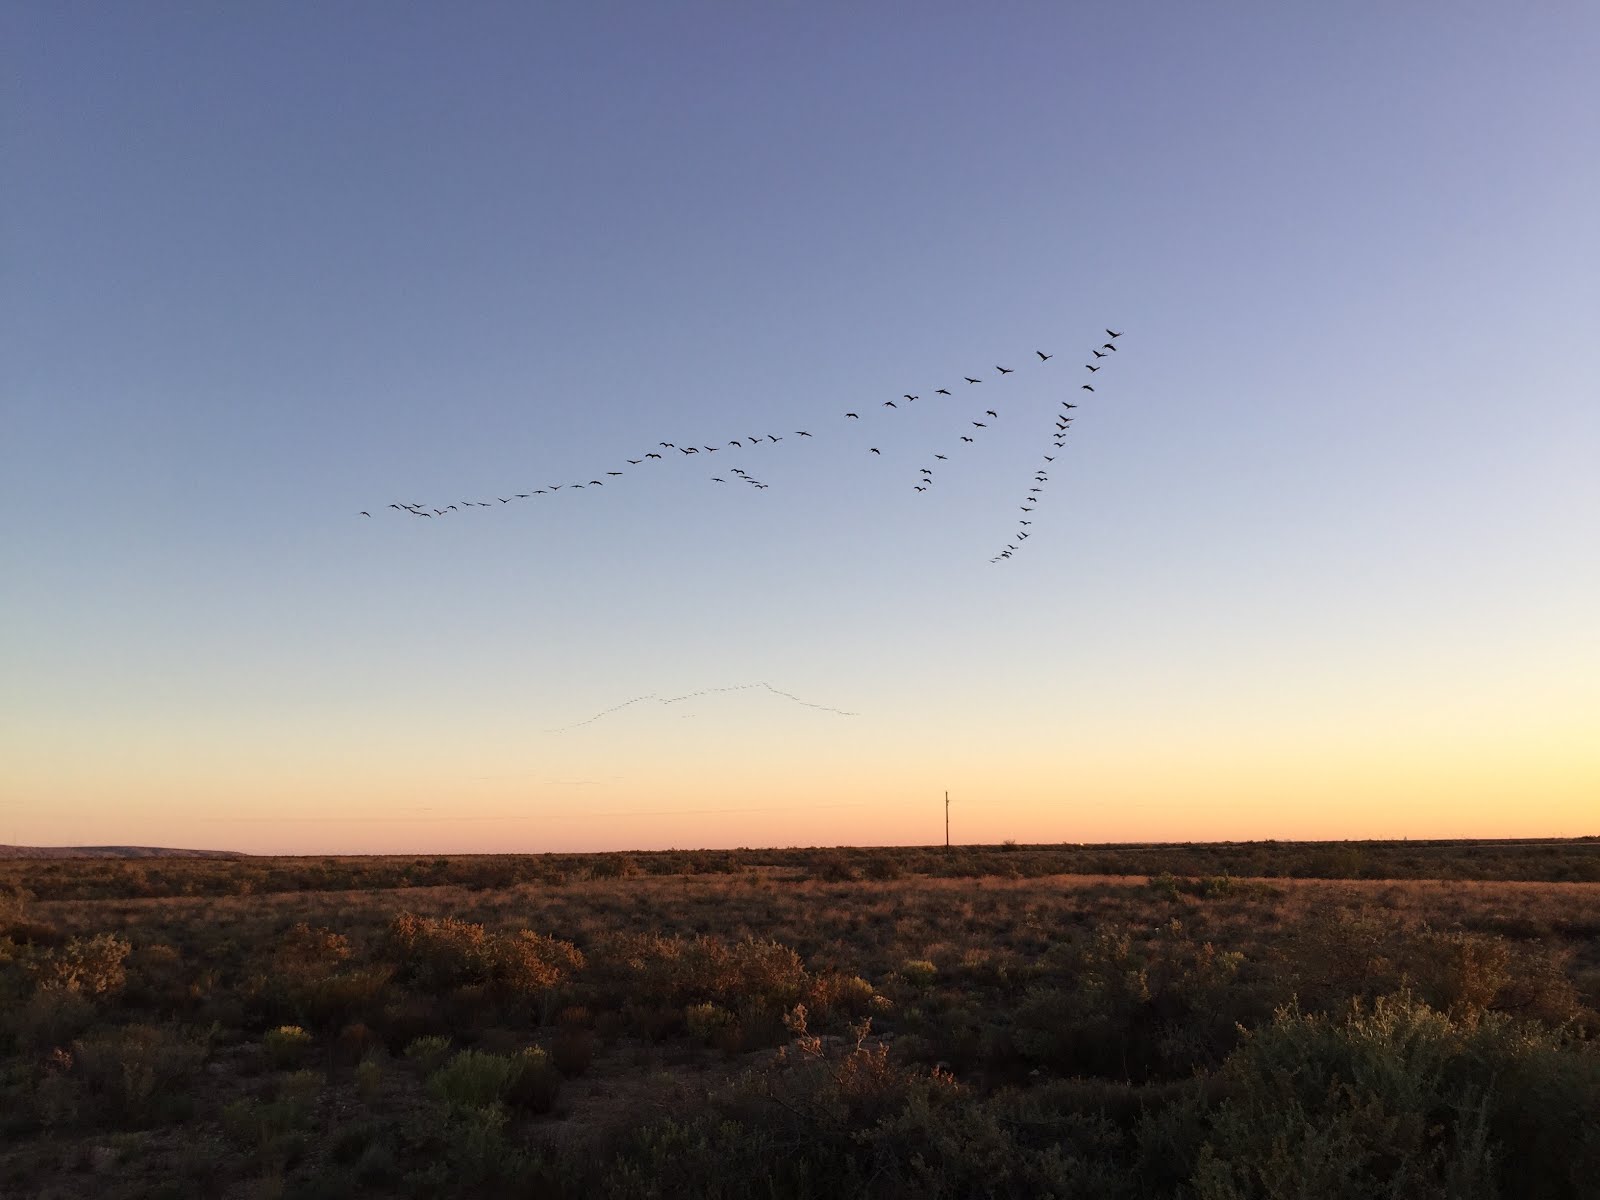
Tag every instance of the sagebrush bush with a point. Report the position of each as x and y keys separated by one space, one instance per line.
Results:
x=287 y=1045
x=1399 y=1099
x=125 y=1070
x=428 y=1052
x=441 y=954
x=472 y=1079
x=90 y=966
x=534 y=1081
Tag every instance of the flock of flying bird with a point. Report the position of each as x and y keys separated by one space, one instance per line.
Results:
x=736 y=475
x=737 y=687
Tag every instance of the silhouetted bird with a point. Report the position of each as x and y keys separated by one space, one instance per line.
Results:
x=364 y=513
x=801 y=433
x=1066 y=404
x=739 y=444
x=1090 y=367
x=876 y=451
x=1108 y=346
x=1086 y=387
x=1025 y=522
x=1097 y=354
x=1043 y=357
x=1005 y=370
x=596 y=483
x=979 y=425
x=970 y=379
x=772 y=437
x=1027 y=510
x=668 y=446
x=854 y=416
x=634 y=462
x=714 y=479
x=941 y=392
x=991 y=412
x=909 y=396
x=941 y=456
x=1115 y=335
x=890 y=404
x=503 y=499
x=1047 y=458
x=576 y=485
x=965 y=438
x=919 y=487
x=613 y=472
x=712 y=449
x=925 y=471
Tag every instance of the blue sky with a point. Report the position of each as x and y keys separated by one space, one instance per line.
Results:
x=1316 y=560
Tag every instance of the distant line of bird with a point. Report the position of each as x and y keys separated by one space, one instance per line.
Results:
x=1041 y=477
x=923 y=482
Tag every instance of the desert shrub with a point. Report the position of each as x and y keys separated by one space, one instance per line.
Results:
x=472 y=1079
x=369 y=1079
x=429 y=1052
x=1458 y=973
x=918 y=973
x=286 y=1045
x=860 y=1125
x=572 y=1050
x=1399 y=1099
x=1116 y=1005
x=47 y=1019
x=836 y=994
x=310 y=950
x=441 y=954
x=831 y=868
x=90 y=966
x=1165 y=885
x=136 y=1073
x=534 y=1081
x=676 y=971
x=705 y=1021
x=1336 y=956
x=883 y=867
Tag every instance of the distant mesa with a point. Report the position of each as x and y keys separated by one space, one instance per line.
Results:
x=112 y=852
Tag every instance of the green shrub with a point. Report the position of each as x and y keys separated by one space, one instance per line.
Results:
x=472 y=1079
x=286 y=1045
x=706 y=1021
x=1399 y=1099
x=429 y=1052
x=369 y=1079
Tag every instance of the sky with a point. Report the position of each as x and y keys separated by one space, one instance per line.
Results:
x=1317 y=558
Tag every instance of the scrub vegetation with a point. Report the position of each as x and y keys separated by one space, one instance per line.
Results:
x=1215 y=1022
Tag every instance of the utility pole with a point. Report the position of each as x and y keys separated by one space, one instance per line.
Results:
x=947 y=820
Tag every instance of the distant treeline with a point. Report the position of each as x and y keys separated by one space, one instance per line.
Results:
x=1574 y=860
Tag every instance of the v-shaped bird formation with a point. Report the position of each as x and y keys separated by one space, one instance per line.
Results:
x=978 y=420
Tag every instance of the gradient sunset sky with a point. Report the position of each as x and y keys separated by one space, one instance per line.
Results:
x=1320 y=558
